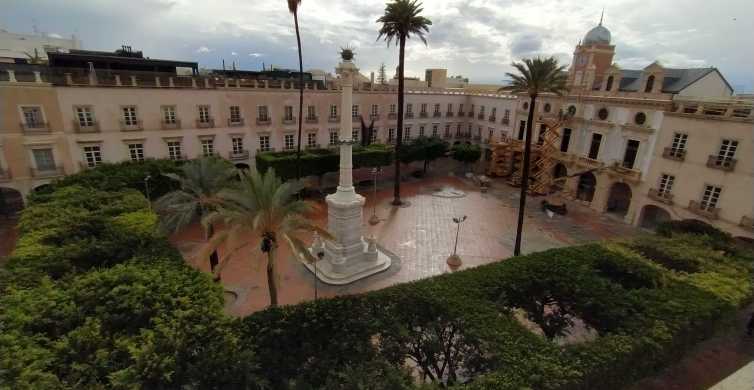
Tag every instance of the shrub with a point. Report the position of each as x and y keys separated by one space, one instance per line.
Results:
x=317 y=162
x=692 y=226
x=466 y=153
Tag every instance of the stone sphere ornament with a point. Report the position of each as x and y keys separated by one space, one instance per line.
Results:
x=347 y=53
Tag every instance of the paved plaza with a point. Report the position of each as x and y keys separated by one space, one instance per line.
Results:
x=421 y=235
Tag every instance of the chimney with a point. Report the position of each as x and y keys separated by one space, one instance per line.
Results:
x=371 y=77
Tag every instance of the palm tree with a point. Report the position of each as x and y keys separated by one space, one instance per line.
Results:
x=400 y=21
x=293 y=8
x=200 y=181
x=534 y=76
x=263 y=207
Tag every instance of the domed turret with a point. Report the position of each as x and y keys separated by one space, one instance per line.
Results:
x=598 y=35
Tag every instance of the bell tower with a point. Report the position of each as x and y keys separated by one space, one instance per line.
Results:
x=591 y=59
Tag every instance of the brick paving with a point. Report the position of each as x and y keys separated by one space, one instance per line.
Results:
x=421 y=234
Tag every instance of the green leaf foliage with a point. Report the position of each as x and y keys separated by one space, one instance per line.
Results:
x=466 y=153
x=317 y=162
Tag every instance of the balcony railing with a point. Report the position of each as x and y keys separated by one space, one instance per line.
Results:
x=477 y=138
x=235 y=122
x=79 y=127
x=436 y=114
x=747 y=223
x=47 y=172
x=662 y=197
x=356 y=118
x=492 y=119
x=263 y=121
x=289 y=120
x=461 y=114
x=506 y=121
x=176 y=124
x=242 y=155
x=449 y=114
x=471 y=114
x=265 y=150
x=721 y=163
x=409 y=115
x=447 y=135
x=625 y=172
x=422 y=115
x=333 y=118
x=480 y=116
x=313 y=146
x=206 y=124
x=35 y=127
x=590 y=162
x=392 y=115
x=707 y=212
x=374 y=117
x=5 y=175
x=674 y=154
x=312 y=119
x=131 y=126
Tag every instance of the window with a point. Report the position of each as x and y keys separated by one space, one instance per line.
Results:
x=710 y=197
x=44 y=159
x=521 y=130
x=437 y=110
x=491 y=134
x=506 y=117
x=727 y=151
x=407 y=133
x=493 y=113
x=311 y=140
x=424 y=108
x=136 y=152
x=168 y=115
x=666 y=184
x=311 y=112
x=450 y=107
x=471 y=111
x=129 y=116
x=92 y=155
x=264 y=143
x=288 y=141
x=235 y=114
x=355 y=134
x=458 y=130
x=374 y=136
x=679 y=142
x=392 y=108
x=355 y=110
x=609 y=84
x=288 y=113
x=334 y=137
x=565 y=140
x=237 y=145
x=262 y=113
x=629 y=158
x=204 y=114
x=434 y=130
x=409 y=108
x=447 y=130
x=594 y=148
x=547 y=107
x=481 y=111
x=174 y=150
x=85 y=116
x=375 y=110
x=650 y=84
x=208 y=147
x=460 y=108
x=640 y=118
x=421 y=131
x=33 y=117
x=603 y=113
x=333 y=111
x=542 y=131
x=390 y=134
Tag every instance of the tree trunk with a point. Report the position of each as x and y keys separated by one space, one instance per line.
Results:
x=271 y=280
x=399 y=132
x=524 y=177
x=214 y=259
x=300 y=96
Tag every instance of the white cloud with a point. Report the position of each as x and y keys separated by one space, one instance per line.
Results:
x=256 y=55
x=233 y=53
x=55 y=35
x=203 y=49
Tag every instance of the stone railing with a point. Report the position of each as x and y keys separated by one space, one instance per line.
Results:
x=707 y=212
x=131 y=126
x=289 y=120
x=724 y=164
x=82 y=128
x=206 y=124
x=662 y=197
x=176 y=124
x=264 y=121
x=35 y=127
x=242 y=155
x=674 y=154
x=47 y=173
x=333 y=119
x=239 y=122
x=626 y=173
x=589 y=162
x=312 y=119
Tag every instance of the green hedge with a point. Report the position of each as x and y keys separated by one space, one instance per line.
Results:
x=94 y=297
x=317 y=162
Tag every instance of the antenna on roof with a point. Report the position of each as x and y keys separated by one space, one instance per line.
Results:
x=223 y=64
x=602 y=15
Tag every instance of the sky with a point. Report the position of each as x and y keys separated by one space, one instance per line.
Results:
x=475 y=38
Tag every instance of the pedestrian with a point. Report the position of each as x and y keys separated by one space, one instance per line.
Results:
x=750 y=325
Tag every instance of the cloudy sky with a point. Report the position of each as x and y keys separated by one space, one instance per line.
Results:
x=475 y=38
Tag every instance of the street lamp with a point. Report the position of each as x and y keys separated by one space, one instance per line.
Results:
x=373 y=220
x=319 y=248
x=146 y=188
x=454 y=261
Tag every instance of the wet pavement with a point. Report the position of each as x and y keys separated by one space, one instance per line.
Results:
x=421 y=235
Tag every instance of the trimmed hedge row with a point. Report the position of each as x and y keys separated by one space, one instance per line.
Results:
x=317 y=162
x=94 y=297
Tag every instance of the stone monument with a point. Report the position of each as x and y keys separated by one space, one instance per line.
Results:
x=349 y=257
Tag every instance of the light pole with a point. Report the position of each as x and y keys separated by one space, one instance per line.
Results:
x=318 y=248
x=454 y=260
x=146 y=188
x=373 y=220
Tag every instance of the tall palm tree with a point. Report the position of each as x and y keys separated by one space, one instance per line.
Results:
x=200 y=181
x=265 y=208
x=535 y=76
x=400 y=21
x=293 y=8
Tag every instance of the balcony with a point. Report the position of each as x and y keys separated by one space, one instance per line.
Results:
x=706 y=212
x=374 y=117
x=235 y=122
x=447 y=135
x=47 y=173
x=289 y=120
x=492 y=119
x=392 y=116
x=205 y=124
x=176 y=124
x=480 y=116
x=471 y=114
x=35 y=127
x=312 y=119
x=506 y=121
x=131 y=125
x=590 y=162
x=747 y=223
x=180 y=157
x=264 y=121
x=477 y=138
x=436 y=114
x=674 y=154
x=449 y=114
x=423 y=115
x=265 y=150
x=461 y=114
x=409 y=115
x=313 y=146
x=723 y=164
x=5 y=175
x=662 y=197
x=356 y=118
x=625 y=172
x=242 y=155
x=83 y=128
x=333 y=118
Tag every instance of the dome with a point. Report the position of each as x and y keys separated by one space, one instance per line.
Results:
x=599 y=35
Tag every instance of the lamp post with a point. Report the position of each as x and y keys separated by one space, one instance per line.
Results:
x=146 y=188
x=454 y=260
x=373 y=220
